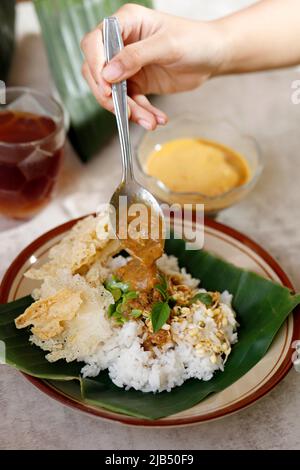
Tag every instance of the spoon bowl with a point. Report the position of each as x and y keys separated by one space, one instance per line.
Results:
x=135 y=194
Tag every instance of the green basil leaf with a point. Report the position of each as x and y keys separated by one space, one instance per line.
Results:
x=119 y=308
x=111 y=310
x=159 y=315
x=117 y=294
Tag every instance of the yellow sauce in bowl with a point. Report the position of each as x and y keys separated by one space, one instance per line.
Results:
x=198 y=166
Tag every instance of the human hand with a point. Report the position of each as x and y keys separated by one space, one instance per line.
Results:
x=162 y=54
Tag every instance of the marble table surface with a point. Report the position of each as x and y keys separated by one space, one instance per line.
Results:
x=261 y=104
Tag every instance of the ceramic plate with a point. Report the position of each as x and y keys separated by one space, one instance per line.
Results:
x=233 y=247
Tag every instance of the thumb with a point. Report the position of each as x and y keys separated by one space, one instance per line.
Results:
x=130 y=60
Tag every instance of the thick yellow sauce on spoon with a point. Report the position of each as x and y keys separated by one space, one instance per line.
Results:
x=200 y=166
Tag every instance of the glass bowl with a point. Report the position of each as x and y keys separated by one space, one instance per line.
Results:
x=189 y=126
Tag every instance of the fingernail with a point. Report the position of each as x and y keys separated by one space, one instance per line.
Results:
x=161 y=120
x=112 y=71
x=147 y=125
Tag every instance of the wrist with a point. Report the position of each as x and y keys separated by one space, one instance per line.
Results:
x=223 y=45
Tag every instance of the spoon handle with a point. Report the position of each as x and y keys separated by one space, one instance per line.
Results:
x=113 y=43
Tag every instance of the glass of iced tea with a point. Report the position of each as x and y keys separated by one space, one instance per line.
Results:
x=32 y=138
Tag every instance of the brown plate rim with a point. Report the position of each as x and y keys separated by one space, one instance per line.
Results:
x=128 y=420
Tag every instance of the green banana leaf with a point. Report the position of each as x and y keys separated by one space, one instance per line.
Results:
x=24 y=357
x=262 y=307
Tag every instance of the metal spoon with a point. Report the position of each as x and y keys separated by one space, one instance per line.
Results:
x=135 y=193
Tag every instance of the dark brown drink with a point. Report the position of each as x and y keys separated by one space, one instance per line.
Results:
x=31 y=150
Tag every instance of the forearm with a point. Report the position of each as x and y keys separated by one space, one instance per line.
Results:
x=266 y=35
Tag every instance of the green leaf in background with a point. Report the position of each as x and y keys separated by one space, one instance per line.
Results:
x=64 y=23
x=7 y=35
x=262 y=307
